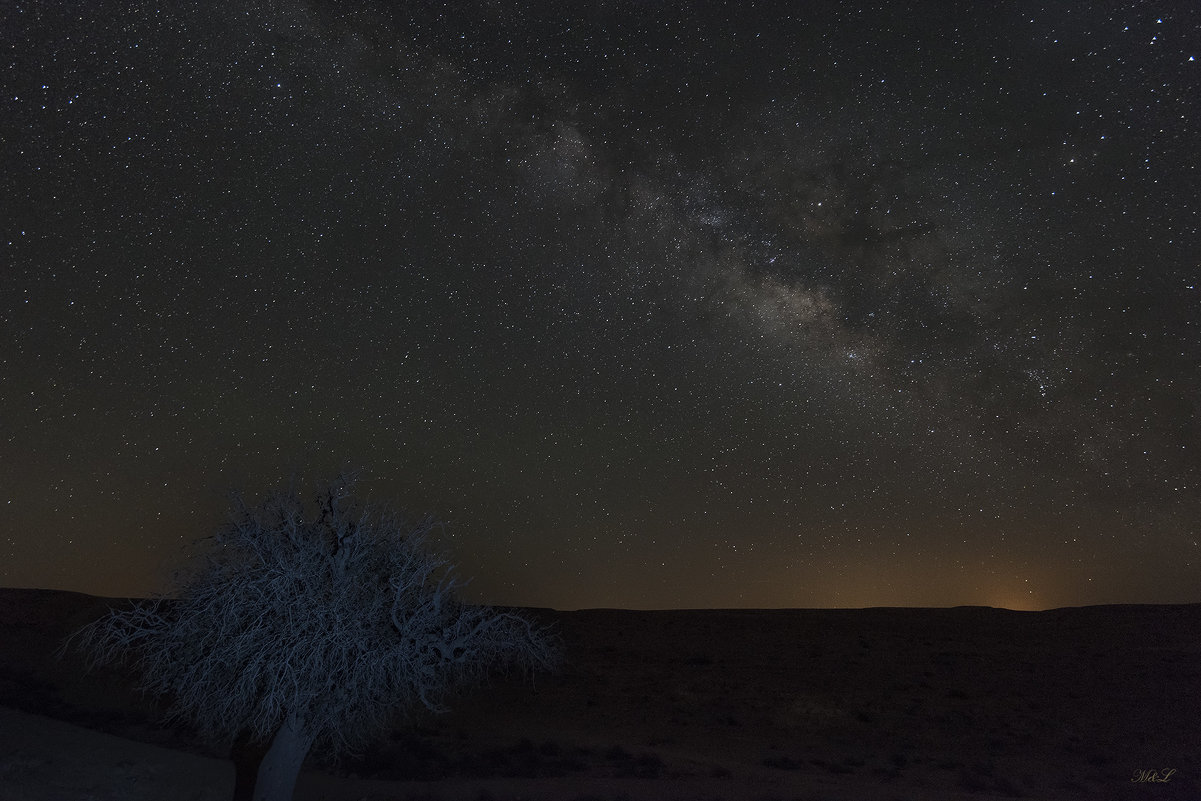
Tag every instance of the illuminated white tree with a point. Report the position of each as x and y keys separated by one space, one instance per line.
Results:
x=314 y=627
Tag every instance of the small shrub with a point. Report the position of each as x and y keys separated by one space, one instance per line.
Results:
x=782 y=763
x=642 y=766
x=617 y=754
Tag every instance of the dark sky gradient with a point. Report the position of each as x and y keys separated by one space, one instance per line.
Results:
x=758 y=305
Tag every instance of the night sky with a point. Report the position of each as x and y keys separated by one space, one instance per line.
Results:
x=745 y=305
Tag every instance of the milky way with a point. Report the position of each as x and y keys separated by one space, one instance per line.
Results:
x=715 y=306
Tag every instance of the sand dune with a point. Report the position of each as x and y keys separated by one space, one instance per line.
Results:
x=889 y=704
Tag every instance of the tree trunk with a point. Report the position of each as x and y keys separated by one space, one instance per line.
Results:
x=281 y=764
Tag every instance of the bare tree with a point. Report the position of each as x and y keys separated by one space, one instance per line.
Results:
x=314 y=627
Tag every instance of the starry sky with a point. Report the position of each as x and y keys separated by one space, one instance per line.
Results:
x=659 y=305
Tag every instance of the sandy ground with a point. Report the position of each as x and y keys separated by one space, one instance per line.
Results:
x=47 y=760
x=889 y=704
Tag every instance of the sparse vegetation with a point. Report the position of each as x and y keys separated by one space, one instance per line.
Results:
x=800 y=726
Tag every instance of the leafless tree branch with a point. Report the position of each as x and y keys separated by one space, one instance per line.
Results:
x=343 y=617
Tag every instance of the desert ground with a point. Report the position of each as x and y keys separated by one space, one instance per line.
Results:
x=890 y=704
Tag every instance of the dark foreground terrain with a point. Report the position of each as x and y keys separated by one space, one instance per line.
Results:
x=964 y=703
